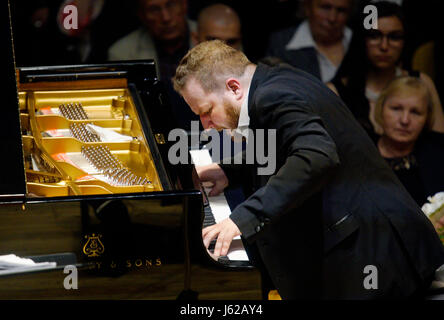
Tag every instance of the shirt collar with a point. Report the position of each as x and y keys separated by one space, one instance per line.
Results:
x=244 y=118
x=303 y=38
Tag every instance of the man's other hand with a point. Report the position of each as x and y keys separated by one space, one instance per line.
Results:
x=215 y=176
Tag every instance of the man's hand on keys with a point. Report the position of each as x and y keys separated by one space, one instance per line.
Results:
x=224 y=231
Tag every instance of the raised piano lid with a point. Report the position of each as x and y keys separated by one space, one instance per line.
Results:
x=12 y=173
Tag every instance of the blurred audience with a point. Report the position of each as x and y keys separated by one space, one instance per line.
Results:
x=313 y=35
x=80 y=35
x=428 y=58
x=218 y=21
x=424 y=59
x=319 y=43
x=165 y=36
x=420 y=18
x=258 y=18
x=372 y=62
x=42 y=38
x=415 y=153
x=34 y=31
x=439 y=65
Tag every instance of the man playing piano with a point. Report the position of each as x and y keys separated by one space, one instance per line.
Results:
x=333 y=222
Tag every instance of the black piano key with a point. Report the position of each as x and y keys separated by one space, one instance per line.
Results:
x=209 y=220
x=223 y=259
x=208 y=217
x=211 y=248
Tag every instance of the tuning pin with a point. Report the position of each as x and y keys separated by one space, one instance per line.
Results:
x=127 y=178
x=83 y=133
x=78 y=112
x=121 y=175
x=114 y=177
x=68 y=114
x=73 y=111
x=133 y=179
x=70 y=111
x=82 y=110
x=62 y=110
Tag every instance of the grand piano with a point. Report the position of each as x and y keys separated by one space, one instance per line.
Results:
x=86 y=183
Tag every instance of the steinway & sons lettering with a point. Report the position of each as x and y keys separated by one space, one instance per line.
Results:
x=138 y=263
x=130 y=264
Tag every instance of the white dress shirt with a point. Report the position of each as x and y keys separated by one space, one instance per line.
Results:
x=303 y=38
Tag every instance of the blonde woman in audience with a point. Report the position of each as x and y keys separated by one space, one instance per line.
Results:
x=416 y=153
x=373 y=61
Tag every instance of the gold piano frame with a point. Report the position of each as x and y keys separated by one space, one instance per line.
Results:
x=110 y=108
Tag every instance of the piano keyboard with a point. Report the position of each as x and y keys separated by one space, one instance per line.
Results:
x=216 y=210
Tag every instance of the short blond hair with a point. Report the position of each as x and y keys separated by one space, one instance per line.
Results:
x=208 y=62
x=400 y=85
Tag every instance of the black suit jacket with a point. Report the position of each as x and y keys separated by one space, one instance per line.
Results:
x=305 y=58
x=333 y=206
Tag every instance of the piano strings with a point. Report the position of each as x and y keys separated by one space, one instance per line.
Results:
x=99 y=156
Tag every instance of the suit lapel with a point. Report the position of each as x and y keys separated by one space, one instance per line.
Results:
x=305 y=59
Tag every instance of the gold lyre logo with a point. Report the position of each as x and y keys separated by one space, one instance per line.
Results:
x=93 y=246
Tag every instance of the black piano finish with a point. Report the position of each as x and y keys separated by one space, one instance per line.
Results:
x=12 y=180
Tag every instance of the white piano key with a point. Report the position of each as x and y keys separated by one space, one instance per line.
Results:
x=237 y=251
x=201 y=157
x=219 y=207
